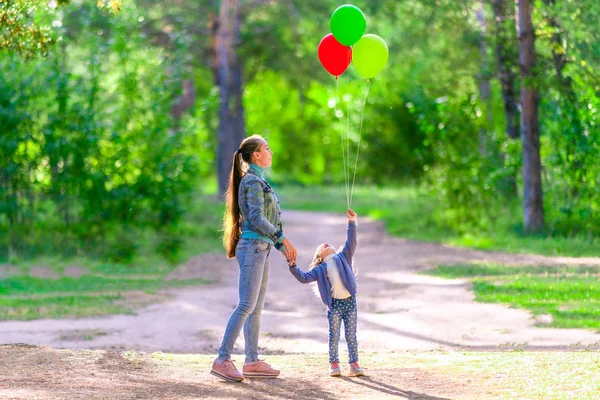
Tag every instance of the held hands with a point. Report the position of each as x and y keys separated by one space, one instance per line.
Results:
x=289 y=251
x=351 y=215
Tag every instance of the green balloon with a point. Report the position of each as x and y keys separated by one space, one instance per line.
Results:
x=347 y=24
x=370 y=55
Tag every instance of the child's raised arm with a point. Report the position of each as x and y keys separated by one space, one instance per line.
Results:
x=350 y=246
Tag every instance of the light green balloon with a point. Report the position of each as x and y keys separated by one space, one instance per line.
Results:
x=370 y=55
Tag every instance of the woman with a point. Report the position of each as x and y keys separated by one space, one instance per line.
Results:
x=252 y=227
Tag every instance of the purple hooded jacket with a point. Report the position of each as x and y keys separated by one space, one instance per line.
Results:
x=344 y=263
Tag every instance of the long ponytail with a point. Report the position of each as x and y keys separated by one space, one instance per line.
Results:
x=231 y=219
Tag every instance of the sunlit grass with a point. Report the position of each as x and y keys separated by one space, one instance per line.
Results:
x=570 y=295
x=25 y=297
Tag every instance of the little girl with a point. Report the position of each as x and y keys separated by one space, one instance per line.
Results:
x=337 y=287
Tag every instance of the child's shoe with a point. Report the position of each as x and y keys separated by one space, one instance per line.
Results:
x=356 y=370
x=260 y=369
x=226 y=370
x=334 y=369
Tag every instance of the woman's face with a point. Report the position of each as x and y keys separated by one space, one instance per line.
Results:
x=263 y=157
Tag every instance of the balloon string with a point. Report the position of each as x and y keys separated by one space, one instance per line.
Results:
x=348 y=145
x=359 y=140
x=348 y=200
x=346 y=172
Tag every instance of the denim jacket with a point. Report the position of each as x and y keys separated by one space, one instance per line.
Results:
x=259 y=208
x=344 y=263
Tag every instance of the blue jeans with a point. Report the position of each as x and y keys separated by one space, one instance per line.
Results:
x=343 y=310
x=253 y=257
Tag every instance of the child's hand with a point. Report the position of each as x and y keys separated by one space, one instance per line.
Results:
x=351 y=215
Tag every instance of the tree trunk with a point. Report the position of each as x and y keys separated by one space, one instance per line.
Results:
x=506 y=67
x=237 y=85
x=485 y=92
x=231 y=109
x=185 y=101
x=533 y=207
x=213 y=26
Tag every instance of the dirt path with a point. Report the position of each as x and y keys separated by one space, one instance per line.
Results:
x=398 y=308
x=43 y=373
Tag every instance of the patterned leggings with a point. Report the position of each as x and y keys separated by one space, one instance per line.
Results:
x=343 y=310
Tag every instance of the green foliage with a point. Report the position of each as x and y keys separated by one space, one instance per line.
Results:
x=461 y=175
x=27 y=27
x=24 y=28
x=91 y=159
x=90 y=151
x=569 y=294
x=570 y=109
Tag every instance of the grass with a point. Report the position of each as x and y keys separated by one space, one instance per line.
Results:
x=412 y=213
x=106 y=287
x=81 y=305
x=26 y=298
x=25 y=285
x=571 y=295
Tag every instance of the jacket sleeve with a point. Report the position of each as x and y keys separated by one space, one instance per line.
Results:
x=350 y=246
x=304 y=277
x=255 y=199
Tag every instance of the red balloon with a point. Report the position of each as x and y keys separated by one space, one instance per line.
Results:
x=334 y=56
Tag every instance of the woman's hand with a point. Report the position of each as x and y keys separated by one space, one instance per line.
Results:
x=351 y=215
x=289 y=251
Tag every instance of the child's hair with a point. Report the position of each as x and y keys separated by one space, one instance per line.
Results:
x=317 y=257
x=231 y=219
